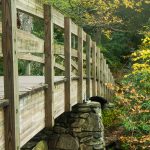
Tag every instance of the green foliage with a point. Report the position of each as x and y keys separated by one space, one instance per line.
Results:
x=36 y=68
x=115 y=47
x=110 y=117
x=133 y=99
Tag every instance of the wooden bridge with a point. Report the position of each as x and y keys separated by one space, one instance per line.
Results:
x=30 y=103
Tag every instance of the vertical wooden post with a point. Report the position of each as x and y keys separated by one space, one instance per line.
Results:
x=11 y=112
x=109 y=83
x=28 y=69
x=67 y=52
x=49 y=66
x=107 y=92
x=98 y=72
x=80 y=64
x=101 y=74
x=94 y=68
x=104 y=74
x=88 y=66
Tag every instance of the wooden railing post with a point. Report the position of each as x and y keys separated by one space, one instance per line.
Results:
x=107 y=90
x=94 y=68
x=88 y=66
x=101 y=74
x=109 y=83
x=11 y=115
x=104 y=77
x=80 y=64
x=28 y=68
x=67 y=52
x=49 y=66
x=98 y=72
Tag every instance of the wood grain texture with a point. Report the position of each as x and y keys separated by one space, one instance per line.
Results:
x=74 y=92
x=80 y=64
x=104 y=77
x=12 y=140
x=33 y=7
x=67 y=51
x=94 y=69
x=30 y=57
x=32 y=115
x=101 y=74
x=74 y=28
x=59 y=99
x=98 y=72
x=2 y=138
x=88 y=65
x=49 y=66
x=27 y=43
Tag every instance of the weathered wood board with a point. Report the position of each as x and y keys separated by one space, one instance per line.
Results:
x=74 y=92
x=59 y=99
x=2 y=140
x=32 y=116
x=27 y=43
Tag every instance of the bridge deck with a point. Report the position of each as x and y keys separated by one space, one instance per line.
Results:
x=28 y=84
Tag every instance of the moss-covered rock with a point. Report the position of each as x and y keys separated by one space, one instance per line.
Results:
x=42 y=145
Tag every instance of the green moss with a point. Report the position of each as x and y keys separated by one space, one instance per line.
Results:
x=42 y=145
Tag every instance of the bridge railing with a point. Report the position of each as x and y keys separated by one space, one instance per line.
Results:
x=18 y=44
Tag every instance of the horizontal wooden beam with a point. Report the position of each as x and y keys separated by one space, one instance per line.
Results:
x=30 y=57
x=61 y=67
x=33 y=7
x=74 y=28
x=27 y=43
x=58 y=18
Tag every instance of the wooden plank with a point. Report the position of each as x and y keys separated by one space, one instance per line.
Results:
x=109 y=90
x=30 y=57
x=58 y=18
x=2 y=138
x=88 y=66
x=67 y=51
x=27 y=43
x=74 y=28
x=61 y=67
x=94 y=68
x=84 y=36
x=12 y=140
x=107 y=82
x=104 y=77
x=33 y=7
x=98 y=71
x=49 y=66
x=101 y=74
x=28 y=68
x=80 y=64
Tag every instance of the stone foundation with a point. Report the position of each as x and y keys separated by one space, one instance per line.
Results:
x=80 y=129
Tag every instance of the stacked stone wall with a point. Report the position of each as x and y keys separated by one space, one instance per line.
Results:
x=80 y=129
